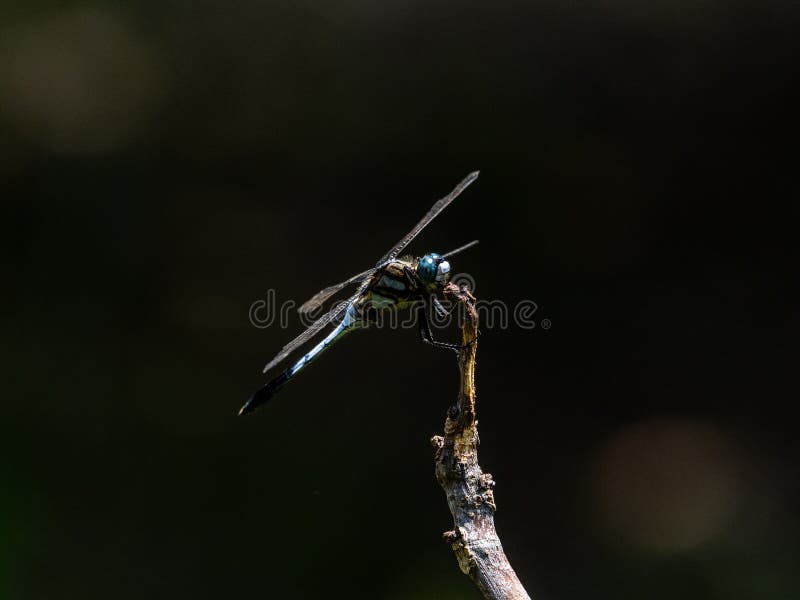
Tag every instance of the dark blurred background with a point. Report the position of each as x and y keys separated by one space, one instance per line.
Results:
x=164 y=164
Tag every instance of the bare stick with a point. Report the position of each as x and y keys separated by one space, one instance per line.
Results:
x=469 y=490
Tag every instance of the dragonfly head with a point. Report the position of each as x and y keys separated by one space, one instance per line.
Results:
x=433 y=269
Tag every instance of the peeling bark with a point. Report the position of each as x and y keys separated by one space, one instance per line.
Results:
x=469 y=490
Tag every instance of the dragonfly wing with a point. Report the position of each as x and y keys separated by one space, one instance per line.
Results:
x=438 y=207
x=460 y=249
x=321 y=296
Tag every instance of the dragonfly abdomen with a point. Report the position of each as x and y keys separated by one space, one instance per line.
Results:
x=348 y=324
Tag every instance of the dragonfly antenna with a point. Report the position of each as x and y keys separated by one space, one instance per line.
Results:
x=460 y=249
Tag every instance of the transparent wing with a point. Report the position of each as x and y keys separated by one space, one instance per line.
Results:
x=309 y=333
x=438 y=207
x=460 y=249
x=321 y=296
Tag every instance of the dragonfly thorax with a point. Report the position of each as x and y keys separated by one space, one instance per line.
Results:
x=433 y=268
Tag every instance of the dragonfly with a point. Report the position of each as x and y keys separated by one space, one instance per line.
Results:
x=394 y=283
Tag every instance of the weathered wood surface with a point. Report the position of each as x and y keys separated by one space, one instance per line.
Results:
x=469 y=490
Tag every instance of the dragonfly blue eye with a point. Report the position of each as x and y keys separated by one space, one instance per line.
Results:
x=428 y=266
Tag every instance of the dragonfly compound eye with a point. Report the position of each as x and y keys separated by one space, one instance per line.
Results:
x=428 y=267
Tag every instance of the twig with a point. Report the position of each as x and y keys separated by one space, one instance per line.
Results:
x=469 y=490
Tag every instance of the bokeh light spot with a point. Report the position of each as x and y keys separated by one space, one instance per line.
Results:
x=667 y=485
x=78 y=82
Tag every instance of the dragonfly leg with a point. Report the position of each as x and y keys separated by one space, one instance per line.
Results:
x=440 y=309
x=415 y=283
x=426 y=335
